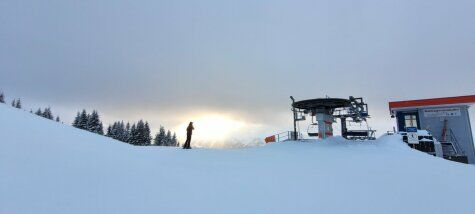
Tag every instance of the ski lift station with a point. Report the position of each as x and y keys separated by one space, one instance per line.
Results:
x=439 y=126
x=323 y=113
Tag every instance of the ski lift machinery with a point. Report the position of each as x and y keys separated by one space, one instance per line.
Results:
x=323 y=113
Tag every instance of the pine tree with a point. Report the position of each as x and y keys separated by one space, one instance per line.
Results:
x=39 y=112
x=122 y=133
x=89 y=122
x=127 y=133
x=140 y=134
x=76 y=119
x=140 y=137
x=133 y=135
x=18 y=104
x=175 y=140
x=160 y=137
x=117 y=131
x=147 y=137
x=2 y=97
x=168 y=138
x=100 y=129
x=82 y=122
x=57 y=119
x=14 y=103
x=47 y=114
x=156 y=140
x=94 y=123
x=109 y=131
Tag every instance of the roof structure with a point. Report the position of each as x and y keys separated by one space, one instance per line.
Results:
x=460 y=100
x=322 y=103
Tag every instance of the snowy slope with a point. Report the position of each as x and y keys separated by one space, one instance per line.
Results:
x=46 y=167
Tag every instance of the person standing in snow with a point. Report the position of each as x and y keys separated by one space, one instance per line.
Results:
x=189 y=132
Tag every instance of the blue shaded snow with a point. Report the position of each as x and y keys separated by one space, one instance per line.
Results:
x=47 y=167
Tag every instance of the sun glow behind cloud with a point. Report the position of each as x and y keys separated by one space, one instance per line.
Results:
x=218 y=131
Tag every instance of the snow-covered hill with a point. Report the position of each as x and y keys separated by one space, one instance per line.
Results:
x=47 y=167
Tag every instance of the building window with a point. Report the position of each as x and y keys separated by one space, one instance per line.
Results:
x=410 y=120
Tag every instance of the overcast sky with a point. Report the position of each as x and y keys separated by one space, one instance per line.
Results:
x=166 y=60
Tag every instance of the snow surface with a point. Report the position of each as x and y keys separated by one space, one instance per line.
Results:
x=47 y=167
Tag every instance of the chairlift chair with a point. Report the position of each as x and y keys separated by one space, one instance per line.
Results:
x=312 y=129
x=364 y=132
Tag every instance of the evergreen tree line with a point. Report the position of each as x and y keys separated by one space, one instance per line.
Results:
x=47 y=113
x=89 y=122
x=165 y=139
x=136 y=134
x=16 y=103
x=139 y=134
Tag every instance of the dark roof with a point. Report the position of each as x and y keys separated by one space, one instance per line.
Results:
x=322 y=103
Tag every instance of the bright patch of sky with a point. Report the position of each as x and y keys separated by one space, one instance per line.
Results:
x=170 y=61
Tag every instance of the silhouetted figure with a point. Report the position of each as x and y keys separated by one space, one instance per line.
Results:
x=189 y=132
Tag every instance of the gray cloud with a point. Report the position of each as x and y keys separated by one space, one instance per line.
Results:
x=164 y=59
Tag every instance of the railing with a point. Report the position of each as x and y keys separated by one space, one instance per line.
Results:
x=454 y=142
x=286 y=136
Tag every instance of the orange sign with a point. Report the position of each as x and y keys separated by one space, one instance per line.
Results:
x=270 y=139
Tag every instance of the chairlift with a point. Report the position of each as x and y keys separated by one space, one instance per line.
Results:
x=364 y=132
x=312 y=129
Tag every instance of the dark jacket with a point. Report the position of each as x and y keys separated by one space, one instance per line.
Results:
x=190 y=129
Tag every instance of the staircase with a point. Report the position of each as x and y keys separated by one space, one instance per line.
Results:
x=448 y=149
x=449 y=142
